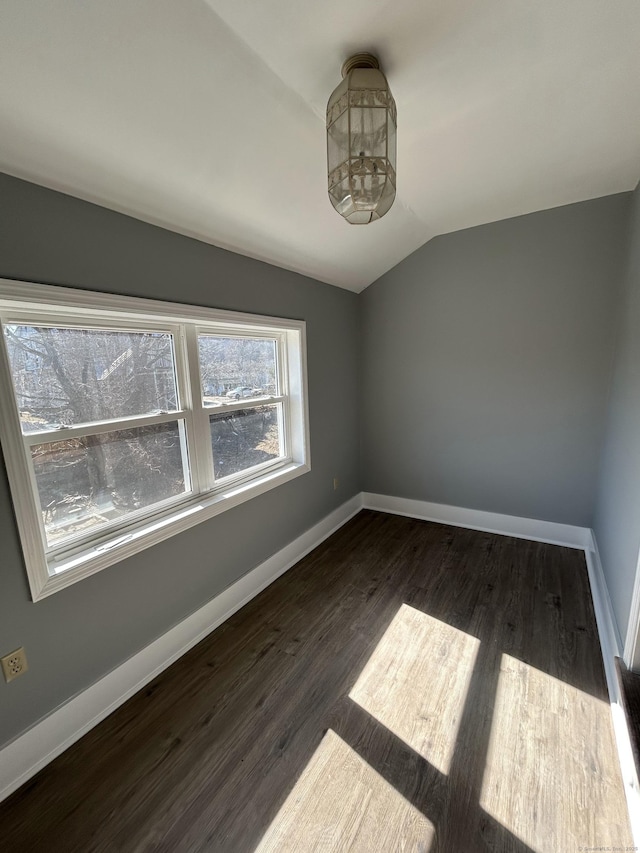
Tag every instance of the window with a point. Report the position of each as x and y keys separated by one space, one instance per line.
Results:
x=125 y=420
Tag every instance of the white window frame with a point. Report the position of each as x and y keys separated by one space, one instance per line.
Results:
x=50 y=569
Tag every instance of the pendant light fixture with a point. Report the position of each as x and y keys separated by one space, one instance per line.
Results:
x=361 y=142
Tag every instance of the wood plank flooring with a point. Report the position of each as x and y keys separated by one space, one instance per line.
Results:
x=406 y=687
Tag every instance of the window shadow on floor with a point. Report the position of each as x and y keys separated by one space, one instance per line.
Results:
x=208 y=754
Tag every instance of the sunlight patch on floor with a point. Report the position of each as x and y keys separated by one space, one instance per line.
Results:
x=552 y=776
x=340 y=803
x=416 y=683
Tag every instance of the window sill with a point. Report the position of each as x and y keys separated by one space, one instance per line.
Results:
x=64 y=572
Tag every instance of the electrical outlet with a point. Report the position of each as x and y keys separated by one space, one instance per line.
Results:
x=14 y=664
x=336 y=483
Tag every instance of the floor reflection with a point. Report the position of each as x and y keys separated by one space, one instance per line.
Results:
x=416 y=682
x=546 y=777
x=341 y=803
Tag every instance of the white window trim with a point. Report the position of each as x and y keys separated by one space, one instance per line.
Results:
x=46 y=575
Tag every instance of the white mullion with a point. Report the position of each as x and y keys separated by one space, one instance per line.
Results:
x=98 y=427
x=233 y=331
x=240 y=405
x=185 y=427
x=24 y=489
x=183 y=385
x=34 y=317
x=282 y=367
x=203 y=456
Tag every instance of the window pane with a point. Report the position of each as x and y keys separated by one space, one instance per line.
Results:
x=237 y=368
x=245 y=438
x=87 y=482
x=73 y=376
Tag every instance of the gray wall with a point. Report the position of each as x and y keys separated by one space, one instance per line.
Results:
x=486 y=361
x=77 y=635
x=617 y=517
x=484 y=377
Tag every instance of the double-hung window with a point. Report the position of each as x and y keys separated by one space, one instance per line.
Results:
x=125 y=420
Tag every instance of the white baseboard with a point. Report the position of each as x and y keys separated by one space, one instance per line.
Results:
x=611 y=645
x=39 y=745
x=610 y=639
x=489 y=522
x=632 y=641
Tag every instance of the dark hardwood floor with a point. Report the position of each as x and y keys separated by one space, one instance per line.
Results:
x=406 y=687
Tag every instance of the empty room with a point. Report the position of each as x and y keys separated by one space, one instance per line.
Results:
x=320 y=426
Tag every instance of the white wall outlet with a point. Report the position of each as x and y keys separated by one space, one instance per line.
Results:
x=336 y=483
x=14 y=664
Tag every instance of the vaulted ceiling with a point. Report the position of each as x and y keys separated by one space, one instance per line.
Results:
x=208 y=117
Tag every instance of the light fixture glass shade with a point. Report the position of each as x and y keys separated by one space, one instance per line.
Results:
x=361 y=142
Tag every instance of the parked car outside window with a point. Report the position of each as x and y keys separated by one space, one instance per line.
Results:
x=240 y=393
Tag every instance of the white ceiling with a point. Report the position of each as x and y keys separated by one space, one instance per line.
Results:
x=208 y=117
